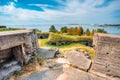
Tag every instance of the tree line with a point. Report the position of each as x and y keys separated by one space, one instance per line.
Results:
x=75 y=31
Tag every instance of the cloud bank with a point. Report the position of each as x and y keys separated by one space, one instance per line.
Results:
x=68 y=11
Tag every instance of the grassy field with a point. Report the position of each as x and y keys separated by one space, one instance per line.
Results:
x=69 y=47
x=68 y=38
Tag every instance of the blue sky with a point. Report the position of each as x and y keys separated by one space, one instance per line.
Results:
x=59 y=11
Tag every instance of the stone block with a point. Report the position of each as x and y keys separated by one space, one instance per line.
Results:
x=79 y=60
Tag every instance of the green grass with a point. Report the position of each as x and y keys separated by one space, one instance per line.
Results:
x=10 y=29
x=68 y=47
x=44 y=42
x=67 y=38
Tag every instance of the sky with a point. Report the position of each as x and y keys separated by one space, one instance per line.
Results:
x=59 y=12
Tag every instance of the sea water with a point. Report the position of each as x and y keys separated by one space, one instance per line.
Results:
x=45 y=27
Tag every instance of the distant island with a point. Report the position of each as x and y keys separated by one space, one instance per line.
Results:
x=110 y=25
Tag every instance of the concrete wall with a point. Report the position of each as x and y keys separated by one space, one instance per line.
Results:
x=42 y=35
x=107 y=58
x=26 y=40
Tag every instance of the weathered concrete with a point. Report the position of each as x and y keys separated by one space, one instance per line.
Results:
x=8 y=68
x=76 y=74
x=79 y=60
x=46 y=52
x=19 y=45
x=43 y=35
x=21 y=42
x=66 y=73
x=107 y=58
x=106 y=65
x=45 y=75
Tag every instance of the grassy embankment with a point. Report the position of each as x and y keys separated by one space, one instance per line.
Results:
x=10 y=29
x=68 y=47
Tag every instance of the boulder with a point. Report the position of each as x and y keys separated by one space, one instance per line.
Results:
x=79 y=60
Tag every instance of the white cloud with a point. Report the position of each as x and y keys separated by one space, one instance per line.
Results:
x=72 y=11
x=16 y=0
x=41 y=5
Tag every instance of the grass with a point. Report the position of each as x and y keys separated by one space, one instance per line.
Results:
x=69 y=47
x=67 y=38
x=44 y=42
x=10 y=29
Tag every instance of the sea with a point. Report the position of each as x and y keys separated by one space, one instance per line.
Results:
x=45 y=27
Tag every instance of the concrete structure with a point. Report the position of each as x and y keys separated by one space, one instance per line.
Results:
x=43 y=35
x=107 y=58
x=105 y=66
x=20 y=42
x=47 y=52
x=79 y=60
x=16 y=47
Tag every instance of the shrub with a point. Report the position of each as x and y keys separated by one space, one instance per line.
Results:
x=87 y=32
x=60 y=38
x=101 y=30
x=64 y=29
x=57 y=38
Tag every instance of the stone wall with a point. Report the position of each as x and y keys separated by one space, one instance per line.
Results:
x=25 y=40
x=42 y=35
x=107 y=58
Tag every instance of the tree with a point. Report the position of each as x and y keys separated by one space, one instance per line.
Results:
x=70 y=31
x=101 y=30
x=75 y=31
x=87 y=32
x=92 y=33
x=78 y=31
x=61 y=33
x=81 y=31
x=64 y=29
x=52 y=29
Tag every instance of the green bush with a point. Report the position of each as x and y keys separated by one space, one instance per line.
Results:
x=60 y=38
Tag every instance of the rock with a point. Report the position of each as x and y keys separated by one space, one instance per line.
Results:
x=8 y=64
x=46 y=52
x=46 y=75
x=79 y=60
x=9 y=70
x=75 y=74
